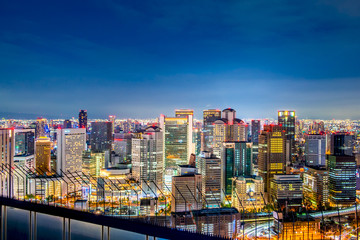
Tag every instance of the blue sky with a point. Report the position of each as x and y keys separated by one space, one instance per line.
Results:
x=143 y=58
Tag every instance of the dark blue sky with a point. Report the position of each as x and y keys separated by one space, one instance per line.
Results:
x=142 y=58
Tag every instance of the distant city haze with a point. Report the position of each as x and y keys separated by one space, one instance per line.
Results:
x=139 y=60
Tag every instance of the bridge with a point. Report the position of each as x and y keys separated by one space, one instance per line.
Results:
x=21 y=220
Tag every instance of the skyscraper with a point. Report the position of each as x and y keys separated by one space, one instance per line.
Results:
x=342 y=180
x=210 y=170
x=24 y=142
x=41 y=125
x=101 y=136
x=228 y=128
x=70 y=146
x=272 y=159
x=286 y=119
x=83 y=119
x=183 y=113
x=315 y=149
x=255 y=131
x=177 y=141
x=236 y=161
x=43 y=155
x=7 y=141
x=112 y=120
x=207 y=139
x=147 y=156
x=342 y=144
x=316 y=187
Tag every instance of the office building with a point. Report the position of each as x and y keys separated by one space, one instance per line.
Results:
x=236 y=161
x=209 y=118
x=342 y=143
x=271 y=159
x=228 y=128
x=24 y=142
x=248 y=193
x=70 y=146
x=316 y=187
x=186 y=190
x=122 y=148
x=287 y=191
x=183 y=113
x=210 y=169
x=147 y=157
x=101 y=136
x=178 y=133
x=43 y=155
x=7 y=141
x=286 y=119
x=83 y=119
x=41 y=129
x=255 y=131
x=315 y=150
x=342 y=180
x=112 y=120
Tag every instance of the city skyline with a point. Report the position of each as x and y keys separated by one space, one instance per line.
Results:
x=130 y=59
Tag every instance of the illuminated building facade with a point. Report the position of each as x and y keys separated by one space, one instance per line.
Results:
x=7 y=142
x=228 y=128
x=255 y=131
x=43 y=155
x=83 y=119
x=271 y=158
x=236 y=161
x=286 y=119
x=147 y=156
x=210 y=170
x=209 y=117
x=287 y=191
x=316 y=189
x=122 y=148
x=101 y=136
x=342 y=180
x=315 y=150
x=71 y=144
x=177 y=141
x=250 y=191
x=342 y=143
x=67 y=124
x=183 y=113
x=24 y=142
x=41 y=126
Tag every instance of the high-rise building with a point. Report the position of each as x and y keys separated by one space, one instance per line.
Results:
x=24 y=142
x=286 y=119
x=255 y=131
x=183 y=113
x=70 y=146
x=236 y=161
x=210 y=116
x=122 y=148
x=210 y=170
x=272 y=159
x=315 y=149
x=147 y=156
x=178 y=132
x=83 y=119
x=316 y=187
x=186 y=190
x=112 y=120
x=250 y=191
x=7 y=141
x=342 y=180
x=101 y=136
x=287 y=191
x=41 y=127
x=228 y=128
x=67 y=123
x=43 y=155
x=342 y=143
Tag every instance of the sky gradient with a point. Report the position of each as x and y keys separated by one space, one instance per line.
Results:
x=143 y=58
